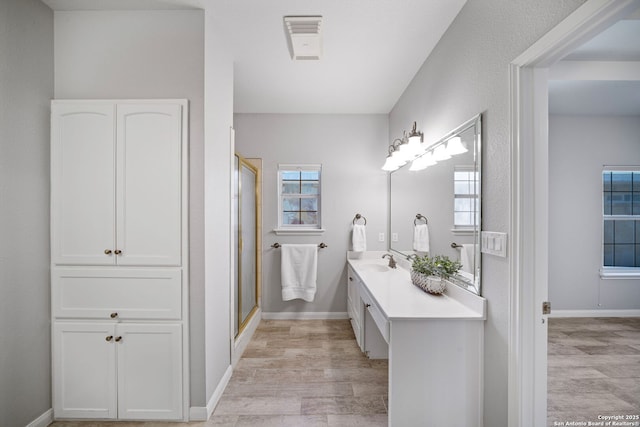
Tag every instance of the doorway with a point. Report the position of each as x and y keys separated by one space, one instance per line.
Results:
x=530 y=202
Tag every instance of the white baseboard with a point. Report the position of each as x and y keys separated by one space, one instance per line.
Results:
x=594 y=313
x=199 y=413
x=307 y=315
x=43 y=420
x=240 y=344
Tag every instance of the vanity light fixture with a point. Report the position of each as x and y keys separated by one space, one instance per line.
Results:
x=410 y=148
x=405 y=149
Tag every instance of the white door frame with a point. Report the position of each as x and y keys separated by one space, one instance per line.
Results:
x=529 y=115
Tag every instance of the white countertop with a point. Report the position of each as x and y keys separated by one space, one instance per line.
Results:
x=400 y=299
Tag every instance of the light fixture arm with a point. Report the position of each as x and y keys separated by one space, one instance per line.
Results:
x=415 y=133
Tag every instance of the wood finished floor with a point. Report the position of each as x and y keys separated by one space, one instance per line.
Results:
x=296 y=373
x=593 y=369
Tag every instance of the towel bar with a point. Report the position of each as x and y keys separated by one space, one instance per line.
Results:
x=278 y=245
x=419 y=217
x=357 y=217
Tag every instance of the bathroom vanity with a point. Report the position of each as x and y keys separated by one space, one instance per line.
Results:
x=434 y=342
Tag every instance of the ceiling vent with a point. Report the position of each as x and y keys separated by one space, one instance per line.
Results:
x=304 y=36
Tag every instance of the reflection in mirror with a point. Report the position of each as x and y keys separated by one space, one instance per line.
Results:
x=447 y=194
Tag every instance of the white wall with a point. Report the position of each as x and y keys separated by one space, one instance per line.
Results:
x=578 y=148
x=26 y=86
x=217 y=203
x=146 y=54
x=351 y=149
x=467 y=74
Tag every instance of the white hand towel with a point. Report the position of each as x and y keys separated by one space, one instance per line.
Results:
x=421 y=238
x=299 y=270
x=359 y=238
x=466 y=257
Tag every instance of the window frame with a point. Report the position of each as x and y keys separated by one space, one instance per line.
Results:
x=616 y=272
x=299 y=229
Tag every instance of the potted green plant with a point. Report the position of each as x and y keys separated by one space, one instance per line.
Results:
x=429 y=273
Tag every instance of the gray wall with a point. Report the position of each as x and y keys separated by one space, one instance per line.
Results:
x=26 y=86
x=351 y=149
x=218 y=153
x=467 y=74
x=578 y=148
x=146 y=54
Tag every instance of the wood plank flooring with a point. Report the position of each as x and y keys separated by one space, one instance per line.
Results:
x=296 y=373
x=593 y=370
x=305 y=373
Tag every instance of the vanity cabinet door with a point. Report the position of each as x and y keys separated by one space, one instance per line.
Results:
x=83 y=183
x=149 y=184
x=150 y=371
x=84 y=370
x=354 y=306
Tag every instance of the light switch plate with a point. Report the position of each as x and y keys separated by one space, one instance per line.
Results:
x=494 y=243
x=380 y=237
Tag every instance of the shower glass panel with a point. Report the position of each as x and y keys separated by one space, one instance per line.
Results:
x=247 y=241
x=245 y=220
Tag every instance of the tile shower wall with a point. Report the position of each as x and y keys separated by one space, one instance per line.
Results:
x=351 y=149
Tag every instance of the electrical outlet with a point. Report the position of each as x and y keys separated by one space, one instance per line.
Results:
x=380 y=237
x=394 y=237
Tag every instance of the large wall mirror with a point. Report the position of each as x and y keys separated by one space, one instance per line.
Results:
x=447 y=197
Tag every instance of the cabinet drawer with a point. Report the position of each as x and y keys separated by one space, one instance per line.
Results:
x=131 y=294
x=380 y=320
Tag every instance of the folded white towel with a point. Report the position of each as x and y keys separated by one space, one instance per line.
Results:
x=359 y=238
x=421 y=238
x=466 y=257
x=299 y=270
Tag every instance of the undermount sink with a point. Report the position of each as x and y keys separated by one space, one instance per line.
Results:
x=374 y=267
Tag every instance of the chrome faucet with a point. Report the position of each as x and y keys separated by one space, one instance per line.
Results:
x=392 y=262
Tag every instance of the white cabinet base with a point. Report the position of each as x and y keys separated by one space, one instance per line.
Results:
x=435 y=373
x=117 y=370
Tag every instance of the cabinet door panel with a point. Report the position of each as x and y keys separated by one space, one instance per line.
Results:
x=83 y=184
x=84 y=374
x=149 y=184
x=150 y=371
x=130 y=294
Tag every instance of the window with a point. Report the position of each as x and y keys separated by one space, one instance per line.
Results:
x=465 y=207
x=299 y=198
x=621 y=222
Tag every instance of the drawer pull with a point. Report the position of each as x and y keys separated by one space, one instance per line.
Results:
x=113 y=315
x=367 y=305
x=118 y=339
x=109 y=338
x=351 y=279
x=107 y=251
x=117 y=252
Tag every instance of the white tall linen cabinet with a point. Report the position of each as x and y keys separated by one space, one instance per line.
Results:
x=119 y=259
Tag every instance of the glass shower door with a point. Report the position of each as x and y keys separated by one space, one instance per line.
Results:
x=246 y=219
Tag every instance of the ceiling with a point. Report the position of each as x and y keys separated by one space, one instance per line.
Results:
x=371 y=49
x=601 y=77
